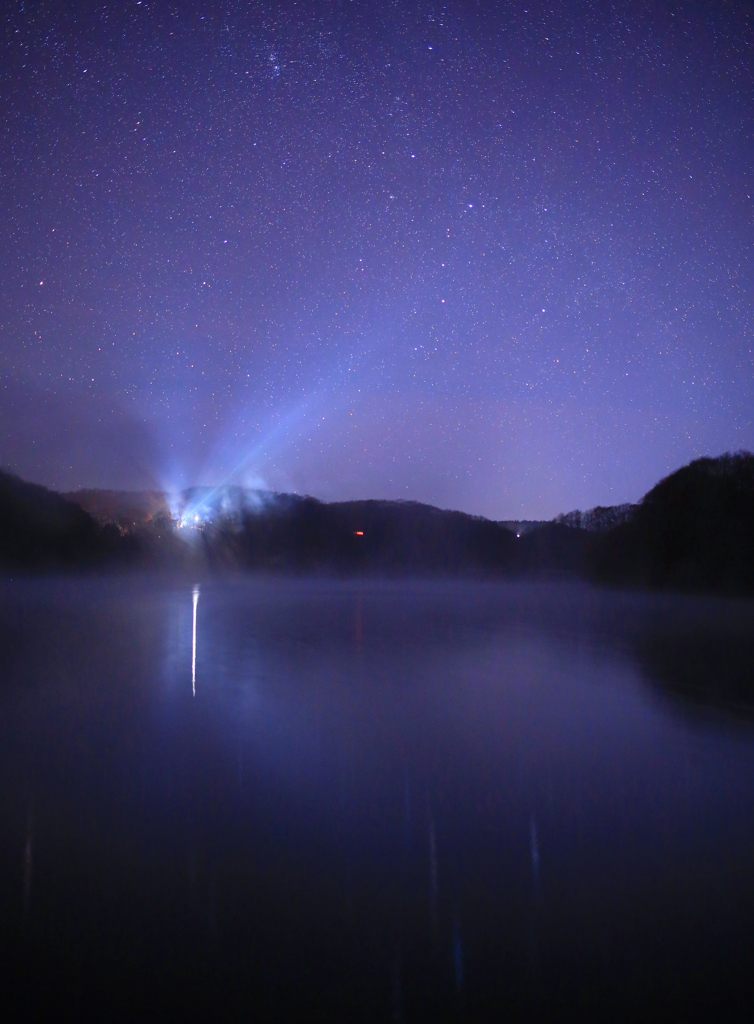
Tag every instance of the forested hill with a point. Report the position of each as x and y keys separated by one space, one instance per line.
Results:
x=693 y=530
x=391 y=537
x=39 y=529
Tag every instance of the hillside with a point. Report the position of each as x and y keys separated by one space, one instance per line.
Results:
x=693 y=530
x=39 y=529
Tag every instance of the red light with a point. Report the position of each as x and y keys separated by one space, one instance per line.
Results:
x=359 y=533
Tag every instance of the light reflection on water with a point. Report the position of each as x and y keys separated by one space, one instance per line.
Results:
x=194 y=602
x=384 y=801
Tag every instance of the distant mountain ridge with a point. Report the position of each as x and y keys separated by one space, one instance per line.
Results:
x=127 y=509
x=693 y=530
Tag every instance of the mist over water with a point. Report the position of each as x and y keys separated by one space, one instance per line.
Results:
x=375 y=801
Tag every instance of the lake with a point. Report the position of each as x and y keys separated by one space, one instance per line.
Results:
x=268 y=800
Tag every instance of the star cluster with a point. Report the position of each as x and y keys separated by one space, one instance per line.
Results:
x=493 y=256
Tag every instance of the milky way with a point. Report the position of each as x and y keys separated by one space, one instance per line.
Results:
x=490 y=256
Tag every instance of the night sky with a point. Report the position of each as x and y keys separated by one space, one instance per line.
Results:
x=491 y=256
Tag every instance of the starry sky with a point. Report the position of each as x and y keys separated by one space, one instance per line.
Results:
x=488 y=255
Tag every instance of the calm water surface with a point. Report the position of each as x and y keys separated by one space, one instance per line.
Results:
x=318 y=801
